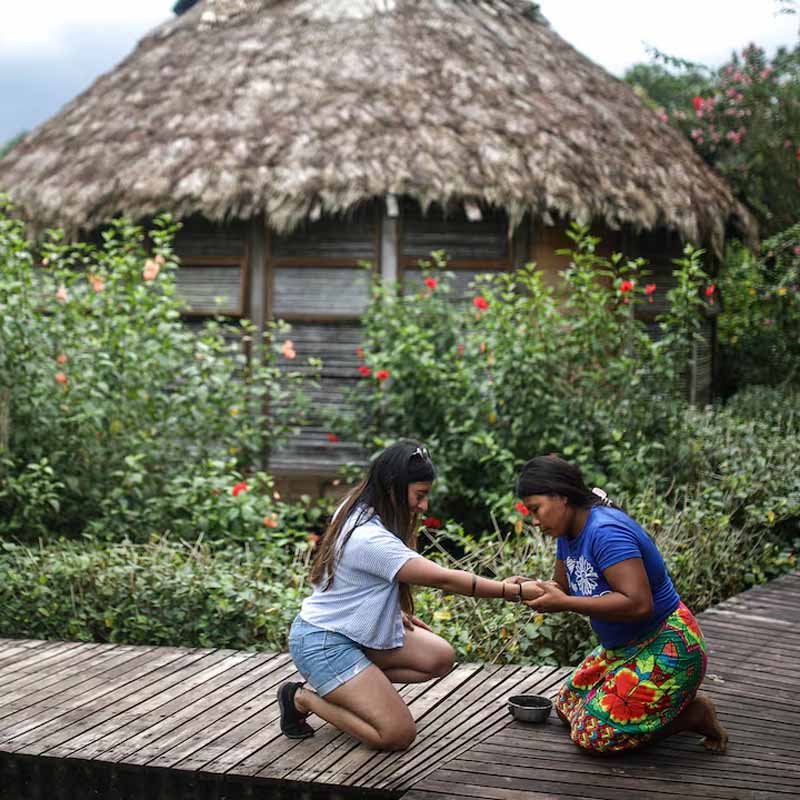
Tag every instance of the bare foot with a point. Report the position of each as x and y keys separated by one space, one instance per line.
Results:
x=709 y=725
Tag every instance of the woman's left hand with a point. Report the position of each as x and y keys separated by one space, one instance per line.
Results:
x=410 y=623
x=553 y=597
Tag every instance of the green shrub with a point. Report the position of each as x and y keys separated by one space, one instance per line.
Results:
x=759 y=329
x=115 y=417
x=526 y=369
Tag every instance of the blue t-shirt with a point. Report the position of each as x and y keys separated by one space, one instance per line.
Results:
x=611 y=536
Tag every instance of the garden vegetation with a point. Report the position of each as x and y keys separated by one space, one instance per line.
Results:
x=133 y=503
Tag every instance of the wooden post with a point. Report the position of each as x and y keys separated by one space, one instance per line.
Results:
x=390 y=246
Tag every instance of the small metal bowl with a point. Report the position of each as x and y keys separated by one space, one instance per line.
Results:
x=530 y=707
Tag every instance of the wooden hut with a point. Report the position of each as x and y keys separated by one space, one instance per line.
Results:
x=298 y=138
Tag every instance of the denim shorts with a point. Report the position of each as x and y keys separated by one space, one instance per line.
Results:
x=324 y=658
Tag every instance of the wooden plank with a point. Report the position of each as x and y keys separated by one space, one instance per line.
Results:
x=334 y=766
x=42 y=660
x=56 y=726
x=252 y=731
x=147 y=708
x=143 y=739
x=198 y=734
x=56 y=689
x=14 y=650
x=476 y=726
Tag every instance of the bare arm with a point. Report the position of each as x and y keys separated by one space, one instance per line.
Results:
x=629 y=600
x=422 y=572
x=560 y=575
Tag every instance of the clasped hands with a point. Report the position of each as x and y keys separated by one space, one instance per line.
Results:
x=540 y=595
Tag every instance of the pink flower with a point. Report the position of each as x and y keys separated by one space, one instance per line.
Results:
x=287 y=350
x=431 y=283
x=62 y=295
x=480 y=303
x=382 y=374
x=97 y=283
x=364 y=371
x=239 y=488
x=797 y=251
x=332 y=437
x=151 y=270
x=160 y=260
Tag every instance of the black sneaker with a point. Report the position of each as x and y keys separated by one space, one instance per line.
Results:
x=293 y=723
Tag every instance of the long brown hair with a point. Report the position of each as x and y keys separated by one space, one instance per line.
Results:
x=383 y=493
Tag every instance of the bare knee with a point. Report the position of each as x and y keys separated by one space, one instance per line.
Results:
x=443 y=661
x=399 y=738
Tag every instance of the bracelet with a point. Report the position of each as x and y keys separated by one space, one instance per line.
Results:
x=474 y=584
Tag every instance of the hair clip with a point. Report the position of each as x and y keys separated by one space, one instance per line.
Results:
x=602 y=495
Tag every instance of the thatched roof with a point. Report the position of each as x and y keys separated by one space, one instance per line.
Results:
x=293 y=107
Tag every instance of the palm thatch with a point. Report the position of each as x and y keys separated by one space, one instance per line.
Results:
x=299 y=107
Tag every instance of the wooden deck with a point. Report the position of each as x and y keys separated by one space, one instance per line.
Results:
x=209 y=718
x=754 y=640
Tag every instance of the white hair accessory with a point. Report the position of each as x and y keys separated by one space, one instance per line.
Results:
x=602 y=495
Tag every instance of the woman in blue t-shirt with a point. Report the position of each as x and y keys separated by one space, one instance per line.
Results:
x=641 y=682
x=356 y=634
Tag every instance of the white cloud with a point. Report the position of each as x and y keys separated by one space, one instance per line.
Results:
x=29 y=26
x=613 y=32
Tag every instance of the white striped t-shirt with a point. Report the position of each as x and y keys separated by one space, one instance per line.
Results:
x=363 y=602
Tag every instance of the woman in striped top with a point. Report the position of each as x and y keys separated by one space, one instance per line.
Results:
x=356 y=634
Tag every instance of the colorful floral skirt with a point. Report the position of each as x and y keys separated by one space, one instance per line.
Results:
x=619 y=699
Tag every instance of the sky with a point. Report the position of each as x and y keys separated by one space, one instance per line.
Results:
x=51 y=50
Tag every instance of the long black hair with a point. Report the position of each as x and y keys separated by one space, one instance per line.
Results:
x=382 y=493
x=551 y=475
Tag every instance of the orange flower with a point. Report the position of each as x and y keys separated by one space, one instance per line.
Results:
x=288 y=349
x=628 y=698
x=61 y=377
x=313 y=539
x=97 y=283
x=151 y=269
x=61 y=358
x=270 y=522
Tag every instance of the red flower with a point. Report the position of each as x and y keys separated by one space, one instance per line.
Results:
x=460 y=349
x=332 y=437
x=710 y=292
x=626 y=286
x=432 y=522
x=382 y=374
x=697 y=102
x=431 y=283
x=239 y=488
x=628 y=698
x=522 y=508
x=480 y=303
x=649 y=290
x=364 y=371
